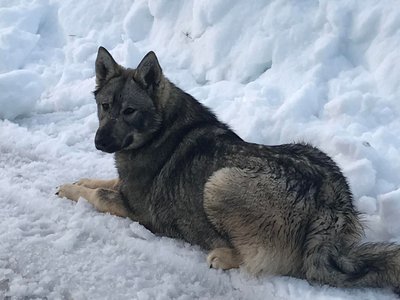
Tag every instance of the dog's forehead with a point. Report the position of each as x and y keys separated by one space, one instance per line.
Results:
x=133 y=92
x=130 y=87
x=108 y=90
x=121 y=89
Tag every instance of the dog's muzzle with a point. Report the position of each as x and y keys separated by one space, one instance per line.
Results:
x=104 y=142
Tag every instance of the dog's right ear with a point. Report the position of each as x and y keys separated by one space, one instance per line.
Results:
x=148 y=72
x=106 y=67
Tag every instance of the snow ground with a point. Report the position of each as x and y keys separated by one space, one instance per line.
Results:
x=325 y=72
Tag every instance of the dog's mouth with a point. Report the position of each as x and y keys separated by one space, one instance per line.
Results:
x=107 y=148
x=110 y=147
x=105 y=143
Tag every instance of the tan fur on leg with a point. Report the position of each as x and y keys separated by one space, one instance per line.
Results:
x=224 y=258
x=104 y=200
x=98 y=183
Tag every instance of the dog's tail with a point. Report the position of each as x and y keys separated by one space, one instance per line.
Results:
x=363 y=265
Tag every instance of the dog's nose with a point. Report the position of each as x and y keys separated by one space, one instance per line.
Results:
x=106 y=146
x=100 y=143
x=105 y=141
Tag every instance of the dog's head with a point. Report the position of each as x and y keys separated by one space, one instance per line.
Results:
x=125 y=98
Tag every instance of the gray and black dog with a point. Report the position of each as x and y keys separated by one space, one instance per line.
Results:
x=281 y=210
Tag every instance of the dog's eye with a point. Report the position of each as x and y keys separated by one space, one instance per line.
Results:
x=105 y=106
x=128 y=111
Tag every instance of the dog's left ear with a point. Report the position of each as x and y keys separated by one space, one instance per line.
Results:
x=106 y=67
x=148 y=72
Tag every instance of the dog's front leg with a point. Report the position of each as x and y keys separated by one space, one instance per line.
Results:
x=99 y=183
x=104 y=200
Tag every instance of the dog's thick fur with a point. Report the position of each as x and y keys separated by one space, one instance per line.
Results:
x=282 y=210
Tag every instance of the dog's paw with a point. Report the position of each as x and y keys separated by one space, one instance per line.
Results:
x=70 y=191
x=214 y=262
x=224 y=258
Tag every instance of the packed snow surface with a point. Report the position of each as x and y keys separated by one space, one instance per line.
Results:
x=324 y=72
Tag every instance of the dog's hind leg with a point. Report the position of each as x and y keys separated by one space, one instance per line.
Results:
x=104 y=200
x=98 y=183
x=241 y=204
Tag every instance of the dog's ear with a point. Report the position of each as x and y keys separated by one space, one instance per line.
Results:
x=106 y=67
x=148 y=72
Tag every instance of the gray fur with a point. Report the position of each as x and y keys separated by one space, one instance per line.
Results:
x=281 y=210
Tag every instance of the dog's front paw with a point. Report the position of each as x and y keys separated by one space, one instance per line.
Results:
x=70 y=191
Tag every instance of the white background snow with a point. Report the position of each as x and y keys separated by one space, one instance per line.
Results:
x=325 y=72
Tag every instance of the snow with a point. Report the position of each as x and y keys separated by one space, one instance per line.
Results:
x=325 y=72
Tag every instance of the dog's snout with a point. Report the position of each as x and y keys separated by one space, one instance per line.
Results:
x=100 y=141
x=104 y=141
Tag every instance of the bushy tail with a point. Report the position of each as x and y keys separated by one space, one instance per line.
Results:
x=364 y=265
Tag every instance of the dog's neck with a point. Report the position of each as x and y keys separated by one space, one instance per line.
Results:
x=181 y=114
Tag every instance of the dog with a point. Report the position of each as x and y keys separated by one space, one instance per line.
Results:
x=280 y=210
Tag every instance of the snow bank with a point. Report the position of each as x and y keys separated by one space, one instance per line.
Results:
x=325 y=72
x=30 y=38
x=20 y=89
